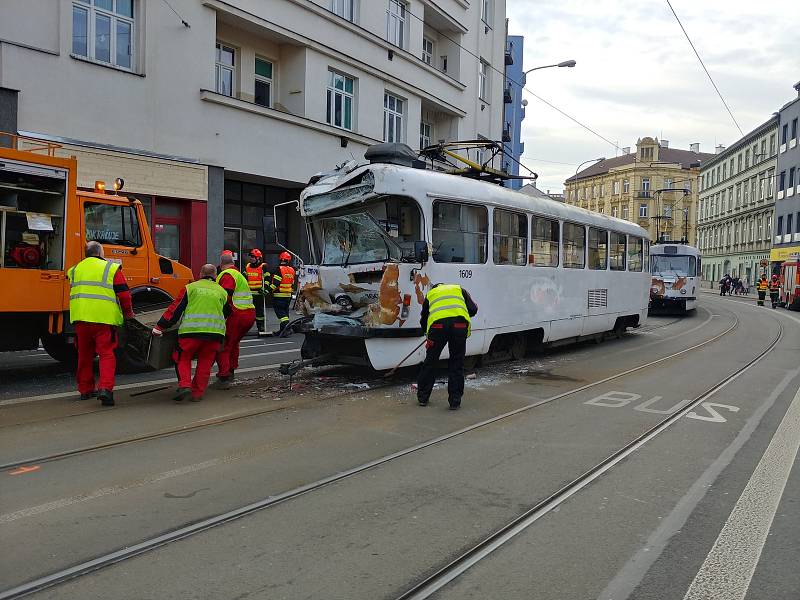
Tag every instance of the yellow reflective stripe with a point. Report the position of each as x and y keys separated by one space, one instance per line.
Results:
x=449 y=307
x=440 y=298
x=93 y=297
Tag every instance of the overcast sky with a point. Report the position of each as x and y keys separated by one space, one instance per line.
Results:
x=637 y=75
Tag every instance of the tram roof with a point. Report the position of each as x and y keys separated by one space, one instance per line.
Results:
x=399 y=180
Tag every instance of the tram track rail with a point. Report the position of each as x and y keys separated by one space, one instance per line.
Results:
x=430 y=585
x=188 y=530
x=213 y=422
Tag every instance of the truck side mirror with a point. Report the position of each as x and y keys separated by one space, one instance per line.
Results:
x=421 y=252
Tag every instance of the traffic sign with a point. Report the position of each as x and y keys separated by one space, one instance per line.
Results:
x=764 y=262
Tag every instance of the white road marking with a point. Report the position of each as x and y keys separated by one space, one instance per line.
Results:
x=149 y=383
x=729 y=566
x=632 y=573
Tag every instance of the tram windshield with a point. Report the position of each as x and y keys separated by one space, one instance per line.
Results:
x=685 y=266
x=382 y=230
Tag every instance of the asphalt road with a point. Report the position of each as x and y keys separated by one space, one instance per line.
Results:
x=707 y=508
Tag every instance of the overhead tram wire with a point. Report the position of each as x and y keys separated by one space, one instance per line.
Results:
x=493 y=68
x=185 y=24
x=711 y=79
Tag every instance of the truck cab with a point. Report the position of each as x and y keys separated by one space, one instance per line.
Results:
x=45 y=222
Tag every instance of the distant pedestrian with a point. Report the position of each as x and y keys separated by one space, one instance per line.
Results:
x=282 y=285
x=99 y=302
x=200 y=308
x=240 y=320
x=446 y=317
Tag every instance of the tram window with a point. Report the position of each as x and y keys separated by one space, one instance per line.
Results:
x=510 y=240
x=460 y=233
x=618 y=251
x=574 y=246
x=598 y=249
x=636 y=254
x=544 y=242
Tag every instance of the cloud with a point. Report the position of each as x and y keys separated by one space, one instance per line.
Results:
x=637 y=75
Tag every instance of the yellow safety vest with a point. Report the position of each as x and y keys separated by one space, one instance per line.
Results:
x=204 y=308
x=91 y=292
x=242 y=296
x=762 y=285
x=444 y=302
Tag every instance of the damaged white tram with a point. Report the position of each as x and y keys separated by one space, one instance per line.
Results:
x=539 y=270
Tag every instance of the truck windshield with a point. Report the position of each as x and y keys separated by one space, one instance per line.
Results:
x=112 y=224
x=353 y=239
x=680 y=265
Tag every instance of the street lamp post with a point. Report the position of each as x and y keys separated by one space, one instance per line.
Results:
x=586 y=162
x=565 y=63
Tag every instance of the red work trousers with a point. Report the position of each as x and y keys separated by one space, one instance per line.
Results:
x=237 y=325
x=95 y=339
x=205 y=350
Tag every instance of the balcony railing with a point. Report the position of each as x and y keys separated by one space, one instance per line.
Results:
x=643 y=194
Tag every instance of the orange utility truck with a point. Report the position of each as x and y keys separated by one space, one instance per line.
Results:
x=790 y=283
x=45 y=222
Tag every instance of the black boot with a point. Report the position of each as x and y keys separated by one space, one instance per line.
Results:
x=106 y=397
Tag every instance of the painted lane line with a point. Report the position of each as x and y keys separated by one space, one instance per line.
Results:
x=633 y=572
x=128 y=386
x=728 y=569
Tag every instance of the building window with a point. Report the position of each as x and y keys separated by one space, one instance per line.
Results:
x=772 y=145
x=642 y=211
x=340 y=98
x=425 y=135
x=427 y=51
x=615 y=188
x=791 y=177
x=625 y=212
x=739 y=164
x=668 y=183
x=486 y=12
x=443 y=63
x=784 y=134
x=779 y=231
x=460 y=233
x=747 y=158
x=789 y=223
x=645 y=184
x=626 y=186
x=226 y=63
x=763 y=149
x=263 y=84
x=103 y=31
x=668 y=210
x=344 y=8
x=483 y=80
x=794 y=129
x=615 y=211
x=396 y=23
x=393 y=118
x=510 y=239
x=781 y=181
x=598 y=249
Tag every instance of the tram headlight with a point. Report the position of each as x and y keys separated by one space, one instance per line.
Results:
x=683 y=291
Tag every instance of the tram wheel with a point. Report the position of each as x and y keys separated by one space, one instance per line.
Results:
x=518 y=347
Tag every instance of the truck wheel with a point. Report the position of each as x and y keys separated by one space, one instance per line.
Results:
x=60 y=349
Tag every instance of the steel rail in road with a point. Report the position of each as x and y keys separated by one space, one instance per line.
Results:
x=127 y=552
x=432 y=584
x=178 y=430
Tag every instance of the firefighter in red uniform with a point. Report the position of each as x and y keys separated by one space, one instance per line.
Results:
x=761 y=287
x=99 y=302
x=774 y=290
x=256 y=273
x=240 y=320
x=282 y=286
x=201 y=309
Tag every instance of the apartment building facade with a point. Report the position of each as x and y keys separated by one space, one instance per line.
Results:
x=216 y=111
x=737 y=202
x=656 y=187
x=786 y=240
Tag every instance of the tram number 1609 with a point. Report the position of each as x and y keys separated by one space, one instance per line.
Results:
x=465 y=273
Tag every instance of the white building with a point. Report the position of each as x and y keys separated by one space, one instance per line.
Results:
x=737 y=202
x=217 y=110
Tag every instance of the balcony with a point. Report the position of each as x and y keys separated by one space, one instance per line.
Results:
x=643 y=194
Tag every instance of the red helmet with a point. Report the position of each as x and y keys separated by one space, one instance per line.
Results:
x=256 y=252
x=285 y=256
x=227 y=253
x=774 y=276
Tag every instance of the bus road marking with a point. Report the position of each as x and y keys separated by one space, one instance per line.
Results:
x=617 y=399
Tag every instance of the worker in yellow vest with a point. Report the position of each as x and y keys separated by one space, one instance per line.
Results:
x=446 y=319
x=240 y=320
x=256 y=272
x=282 y=286
x=99 y=302
x=761 y=287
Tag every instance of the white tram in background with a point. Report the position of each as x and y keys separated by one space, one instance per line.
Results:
x=675 y=269
x=539 y=270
